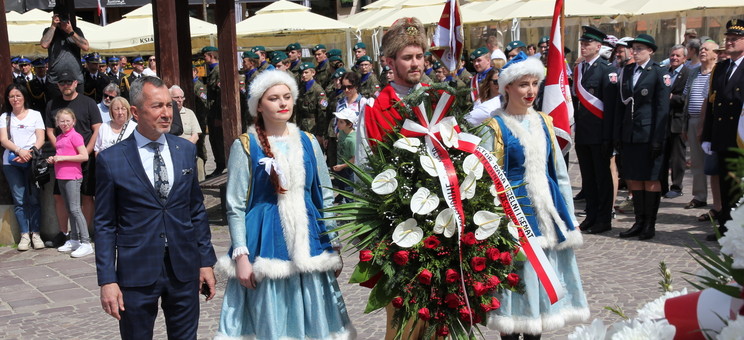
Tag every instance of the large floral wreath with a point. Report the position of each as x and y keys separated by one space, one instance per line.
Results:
x=436 y=251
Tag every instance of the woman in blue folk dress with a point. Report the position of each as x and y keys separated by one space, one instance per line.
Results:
x=282 y=264
x=524 y=141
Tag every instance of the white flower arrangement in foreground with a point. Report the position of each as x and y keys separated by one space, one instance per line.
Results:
x=734 y=330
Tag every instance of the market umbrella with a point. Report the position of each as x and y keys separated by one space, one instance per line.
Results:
x=135 y=34
x=282 y=23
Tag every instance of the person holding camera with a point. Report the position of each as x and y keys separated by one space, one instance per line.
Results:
x=64 y=41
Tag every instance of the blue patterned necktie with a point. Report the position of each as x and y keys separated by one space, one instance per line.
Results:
x=160 y=173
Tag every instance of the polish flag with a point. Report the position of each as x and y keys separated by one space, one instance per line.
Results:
x=447 y=41
x=557 y=96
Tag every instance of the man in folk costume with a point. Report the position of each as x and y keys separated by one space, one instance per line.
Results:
x=596 y=84
x=404 y=45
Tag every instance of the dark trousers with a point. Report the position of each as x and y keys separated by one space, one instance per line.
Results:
x=179 y=300
x=674 y=159
x=218 y=145
x=730 y=189
x=596 y=179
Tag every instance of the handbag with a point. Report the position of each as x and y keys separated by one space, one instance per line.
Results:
x=39 y=167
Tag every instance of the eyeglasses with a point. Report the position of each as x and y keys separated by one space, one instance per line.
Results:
x=152 y=59
x=107 y=96
x=178 y=97
x=348 y=87
x=495 y=82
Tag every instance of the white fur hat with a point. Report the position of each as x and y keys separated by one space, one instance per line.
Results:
x=521 y=65
x=264 y=81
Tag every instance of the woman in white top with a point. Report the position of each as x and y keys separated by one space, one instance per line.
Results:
x=20 y=129
x=118 y=128
x=489 y=101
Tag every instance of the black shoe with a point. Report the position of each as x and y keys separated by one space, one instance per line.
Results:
x=640 y=215
x=652 y=209
x=56 y=242
x=695 y=204
x=580 y=196
x=215 y=173
x=585 y=226
x=601 y=227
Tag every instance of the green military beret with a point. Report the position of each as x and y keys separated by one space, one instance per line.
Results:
x=293 y=46
x=360 y=45
x=479 y=52
x=318 y=47
x=334 y=52
x=278 y=57
x=436 y=65
x=339 y=73
x=206 y=49
x=363 y=59
x=307 y=65
x=543 y=39
x=258 y=48
x=249 y=54
x=512 y=45
x=335 y=58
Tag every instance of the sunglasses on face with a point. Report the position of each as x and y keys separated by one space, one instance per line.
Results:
x=65 y=82
x=495 y=81
x=109 y=97
x=348 y=87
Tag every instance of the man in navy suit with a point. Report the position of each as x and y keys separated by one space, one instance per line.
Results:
x=152 y=234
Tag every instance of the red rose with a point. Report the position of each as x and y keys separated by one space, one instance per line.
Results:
x=479 y=289
x=451 y=276
x=469 y=239
x=478 y=263
x=465 y=314
x=442 y=330
x=431 y=242
x=452 y=300
x=495 y=303
x=485 y=307
x=398 y=302
x=365 y=255
x=493 y=281
x=424 y=314
x=493 y=254
x=506 y=258
x=476 y=318
x=401 y=258
x=425 y=277
x=513 y=279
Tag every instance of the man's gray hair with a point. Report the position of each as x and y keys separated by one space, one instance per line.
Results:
x=135 y=92
x=678 y=46
x=176 y=87
x=112 y=88
x=694 y=44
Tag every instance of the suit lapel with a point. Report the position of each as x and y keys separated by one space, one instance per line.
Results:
x=131 y=153
x=737 y=75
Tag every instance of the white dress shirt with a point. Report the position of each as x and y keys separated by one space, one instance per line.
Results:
x=147 y=154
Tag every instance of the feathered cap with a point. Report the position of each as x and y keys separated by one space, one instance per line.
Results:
x=264 y=81
x=402 y=33
x=521 y=65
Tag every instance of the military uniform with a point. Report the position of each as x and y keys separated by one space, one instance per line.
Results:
x=93 y=85
x=310 y=106
x=40 y=91
x=464 y=75
x=214 y=117
x=724 y=108
x=323 y=73
x=641 y=128
x=593 y=136
x=200 y=111
x=370 y=86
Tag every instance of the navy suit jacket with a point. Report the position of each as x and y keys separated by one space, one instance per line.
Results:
x=132 y=224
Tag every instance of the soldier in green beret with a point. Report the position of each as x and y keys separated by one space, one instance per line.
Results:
x=370 y=85
x=282 y=62
x=200 y=110
x=294 y=52
x=443 y=75
x=334 y=92
x=513 y=48
x=463 y=72
x=263 y=64
x=323 y=75
x=251 y=60
x=214 y=104
x=311 y=104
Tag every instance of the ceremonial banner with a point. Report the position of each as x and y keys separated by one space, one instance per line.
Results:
x=447 y=41
x=557 y=96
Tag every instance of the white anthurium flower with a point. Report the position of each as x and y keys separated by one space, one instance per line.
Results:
x=427 y=163
x=424 y=201
x=408 y=144
x=385 y=183
x=512 y=228
x=471 y=164
x=445 y=223
x=487 y=223
x=496 y=200
x=467 y=188
x=450 y=136
x=407 y=234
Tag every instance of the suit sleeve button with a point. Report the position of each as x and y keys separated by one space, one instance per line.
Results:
x=162 y=235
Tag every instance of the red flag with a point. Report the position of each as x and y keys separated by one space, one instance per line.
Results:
x=447 y=41
x=557 y=96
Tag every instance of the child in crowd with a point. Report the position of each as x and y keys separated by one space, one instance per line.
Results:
x=346 y=119
x=71 y=153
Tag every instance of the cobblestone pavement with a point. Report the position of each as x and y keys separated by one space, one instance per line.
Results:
x=48 y=295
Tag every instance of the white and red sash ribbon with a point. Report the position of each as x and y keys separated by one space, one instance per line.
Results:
x=588 y=100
